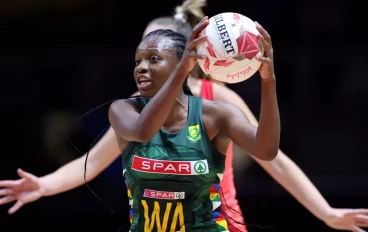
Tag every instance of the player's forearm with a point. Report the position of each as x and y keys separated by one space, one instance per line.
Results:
x=268 y=132
x=71 y=175
x=155 y=113
x=292 y=178
x=68 y=177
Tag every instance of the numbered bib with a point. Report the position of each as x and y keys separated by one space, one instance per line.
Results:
x=166 y=206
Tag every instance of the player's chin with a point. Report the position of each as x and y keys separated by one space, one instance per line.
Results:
x=147 y=93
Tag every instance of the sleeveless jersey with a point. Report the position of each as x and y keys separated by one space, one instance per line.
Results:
x=229 y=203
x=172 y=180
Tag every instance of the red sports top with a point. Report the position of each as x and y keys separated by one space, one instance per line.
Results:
x=227 y=183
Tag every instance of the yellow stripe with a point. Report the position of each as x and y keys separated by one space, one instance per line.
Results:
x=222 y=223
x=213 y=196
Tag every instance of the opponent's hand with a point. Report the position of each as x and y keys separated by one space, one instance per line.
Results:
x=348 y=219
x=23 y=191
x=190 y=54
x=266 y=70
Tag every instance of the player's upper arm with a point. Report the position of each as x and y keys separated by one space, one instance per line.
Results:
x=222 y=93
x=235 y=125
x=123 y=115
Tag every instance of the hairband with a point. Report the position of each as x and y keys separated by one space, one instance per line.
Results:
x=181 y=17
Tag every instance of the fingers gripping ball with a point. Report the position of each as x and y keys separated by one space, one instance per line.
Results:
x=230 y=48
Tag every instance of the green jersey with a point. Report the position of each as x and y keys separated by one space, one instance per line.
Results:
x=173 y=180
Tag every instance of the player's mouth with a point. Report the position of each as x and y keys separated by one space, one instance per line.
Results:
x=144 y=82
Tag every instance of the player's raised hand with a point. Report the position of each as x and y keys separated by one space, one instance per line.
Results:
x=266 y=70
x=190 y=54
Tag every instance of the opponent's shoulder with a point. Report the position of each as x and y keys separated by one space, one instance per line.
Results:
x=216 y=105
x=223 y=93
x=217 y=109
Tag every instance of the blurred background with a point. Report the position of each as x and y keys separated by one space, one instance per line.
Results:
x=62 y=58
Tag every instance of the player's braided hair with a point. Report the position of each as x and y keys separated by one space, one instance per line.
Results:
x=179 y=42
x=184 y=18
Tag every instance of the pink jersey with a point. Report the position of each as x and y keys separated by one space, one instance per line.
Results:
x=228 y=195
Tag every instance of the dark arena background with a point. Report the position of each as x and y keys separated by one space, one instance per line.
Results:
x=62 y=58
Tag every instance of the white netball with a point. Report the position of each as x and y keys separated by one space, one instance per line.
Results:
x=231 y=48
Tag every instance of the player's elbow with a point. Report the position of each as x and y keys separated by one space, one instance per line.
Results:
x=267 y=154
x=271 y=155
x=139 y=132
x=143 y=135
x=130 y=128
x=136 y=134
x=267 y=147
x=133 y=132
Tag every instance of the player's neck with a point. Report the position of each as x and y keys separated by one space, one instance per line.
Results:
x=194 y=85
x=179 y=113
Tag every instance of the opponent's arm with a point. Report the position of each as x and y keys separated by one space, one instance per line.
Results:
x=71 y=175
x=30 y=187
x=292 y=178
x=282 y=168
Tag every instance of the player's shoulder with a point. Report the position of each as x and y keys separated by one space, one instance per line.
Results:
x=120 y=104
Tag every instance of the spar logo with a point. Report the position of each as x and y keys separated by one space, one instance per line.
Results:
x=163 y=194
x=198 y=167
